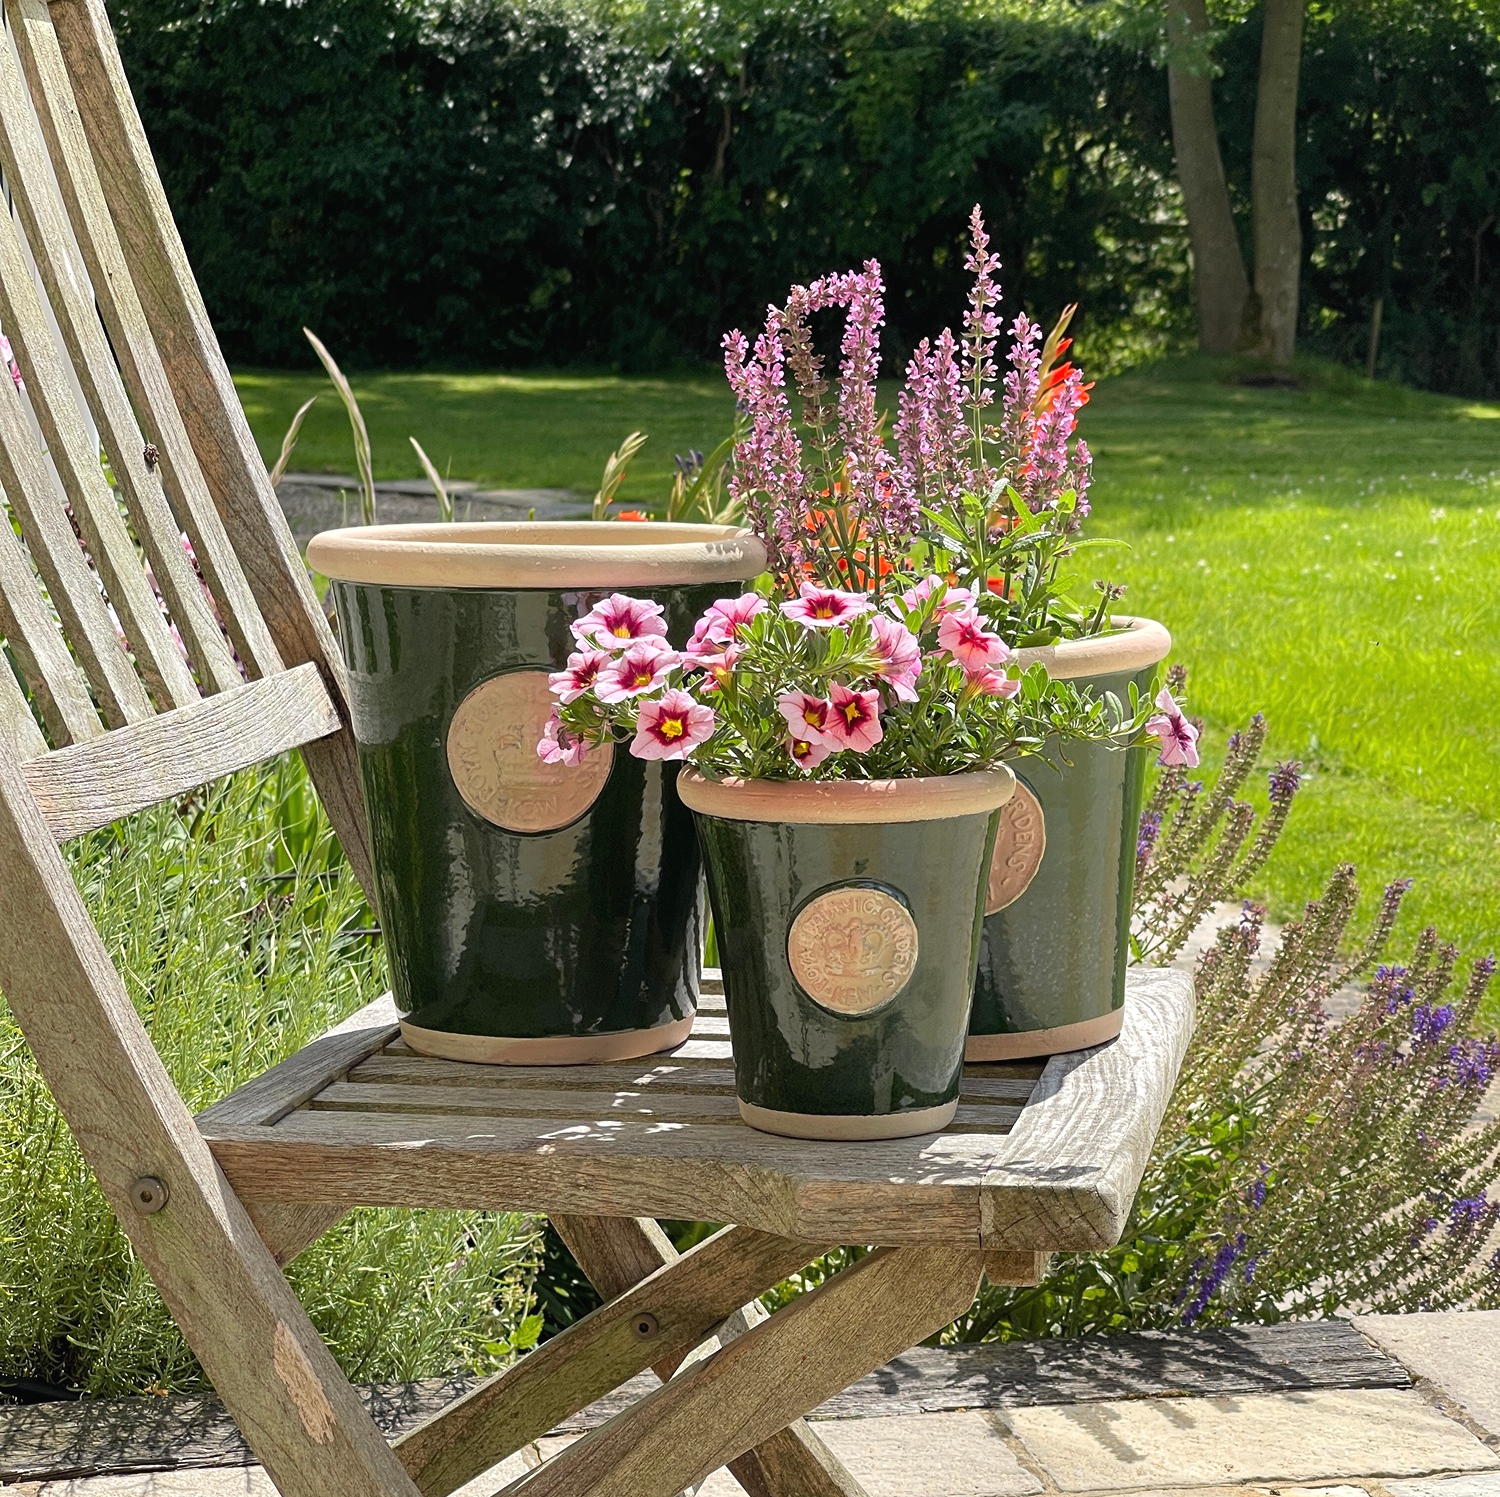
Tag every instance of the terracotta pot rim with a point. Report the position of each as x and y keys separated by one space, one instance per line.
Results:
x=1139 y=643
x=848 y=802
x=538 y=554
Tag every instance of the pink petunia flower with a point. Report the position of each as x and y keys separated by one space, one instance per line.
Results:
x=805 y=753
x=854 y=722
x=966 y=639
x=560 y=745
x=900 y=655
x=825 y=607
x=643 y=667
x=671 y=727
x=620 y=620
x=807 y=716
x=1179 y=738
x=578 y=677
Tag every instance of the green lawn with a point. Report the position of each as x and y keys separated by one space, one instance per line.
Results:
x=1325 y=555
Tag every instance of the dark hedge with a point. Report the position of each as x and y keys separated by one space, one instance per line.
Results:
x=482 y=182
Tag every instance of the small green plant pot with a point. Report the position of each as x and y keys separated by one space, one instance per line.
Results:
x=847 y=915
x=534 y=914
x=1056 y=935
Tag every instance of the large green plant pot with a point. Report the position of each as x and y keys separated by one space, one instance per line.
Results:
x=1056 y=934
x=847 y=916
x=533 y=914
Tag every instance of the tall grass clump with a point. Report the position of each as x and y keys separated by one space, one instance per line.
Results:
x=241 y=935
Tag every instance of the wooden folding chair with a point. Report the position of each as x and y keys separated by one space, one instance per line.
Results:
x=143 y=679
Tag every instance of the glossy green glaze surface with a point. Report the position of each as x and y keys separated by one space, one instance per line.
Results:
x=593 y=928
x=1058 y=954
x=793 y=1054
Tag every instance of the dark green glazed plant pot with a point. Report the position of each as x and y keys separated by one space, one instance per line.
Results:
x=847 y=916
x=533 y=914
x=1056 y=935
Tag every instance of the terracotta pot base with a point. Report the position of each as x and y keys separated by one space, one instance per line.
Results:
x=1029 y=1043
x=842 y=1127
x=561 y=1050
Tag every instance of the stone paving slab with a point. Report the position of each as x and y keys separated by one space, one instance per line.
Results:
x=1458 y=1353
x=1446 y=1486
x=1261 y=1437
x=929 y=1455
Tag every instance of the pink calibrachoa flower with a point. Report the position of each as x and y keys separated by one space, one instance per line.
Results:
x=671 y=727
x=997 y=684
x=559 y=745
x=577 y=678
x=900 y=655
x=643 y=667
x=954 y=599
x=825 y=607
x=805 y=753
x=966 y=639
x=1179 y=738
x=806 y=716
x=732 y=612
x=717 y=666
x=619 y=620
x=854 y=722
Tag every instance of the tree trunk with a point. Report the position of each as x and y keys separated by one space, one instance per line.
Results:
x=1220 y=286
x=1273 y=181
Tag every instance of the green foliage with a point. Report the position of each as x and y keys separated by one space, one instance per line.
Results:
x=528 y=181
x=241 y=935
x=1305 y=1166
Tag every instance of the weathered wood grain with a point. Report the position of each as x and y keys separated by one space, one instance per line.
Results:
x=223 y=1287
x=1016 y=1269
x=653 y=1074
x=753 y=1386
x=792 y=1462
x=1066 y=1175
x=686 y=1298
x=68 y=289
x=92 y=784
x=18 y=727
x=205 y=396
x=49 y=670
x=275 y=1093
x=133 y=342
x=49 y=388
x=898 y=1191
x=41 y=507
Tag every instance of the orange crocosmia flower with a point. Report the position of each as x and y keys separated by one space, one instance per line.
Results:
x=633 y=514
x=996 y=585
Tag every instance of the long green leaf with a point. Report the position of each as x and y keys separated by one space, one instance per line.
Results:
x=362 y=460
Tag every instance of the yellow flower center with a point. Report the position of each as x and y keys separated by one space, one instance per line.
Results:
x=852 y=713
x=621 y=631
x=671 y=727
x=641 y=678
x=823 y=611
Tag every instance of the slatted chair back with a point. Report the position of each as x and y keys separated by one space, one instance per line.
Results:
x=159 y=628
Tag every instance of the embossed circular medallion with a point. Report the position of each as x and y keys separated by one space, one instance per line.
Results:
x=492 y=758
x=852 y=949
x=1019 y=845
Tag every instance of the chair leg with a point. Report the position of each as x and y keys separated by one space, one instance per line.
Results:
x=756 y=1385
x=664 y=1315
x=297 y=1410
x=791 y=1462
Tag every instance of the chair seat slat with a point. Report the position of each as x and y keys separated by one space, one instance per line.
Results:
x=30 y=630
x=135 y=346
x=70 y=444
x=89 y=785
